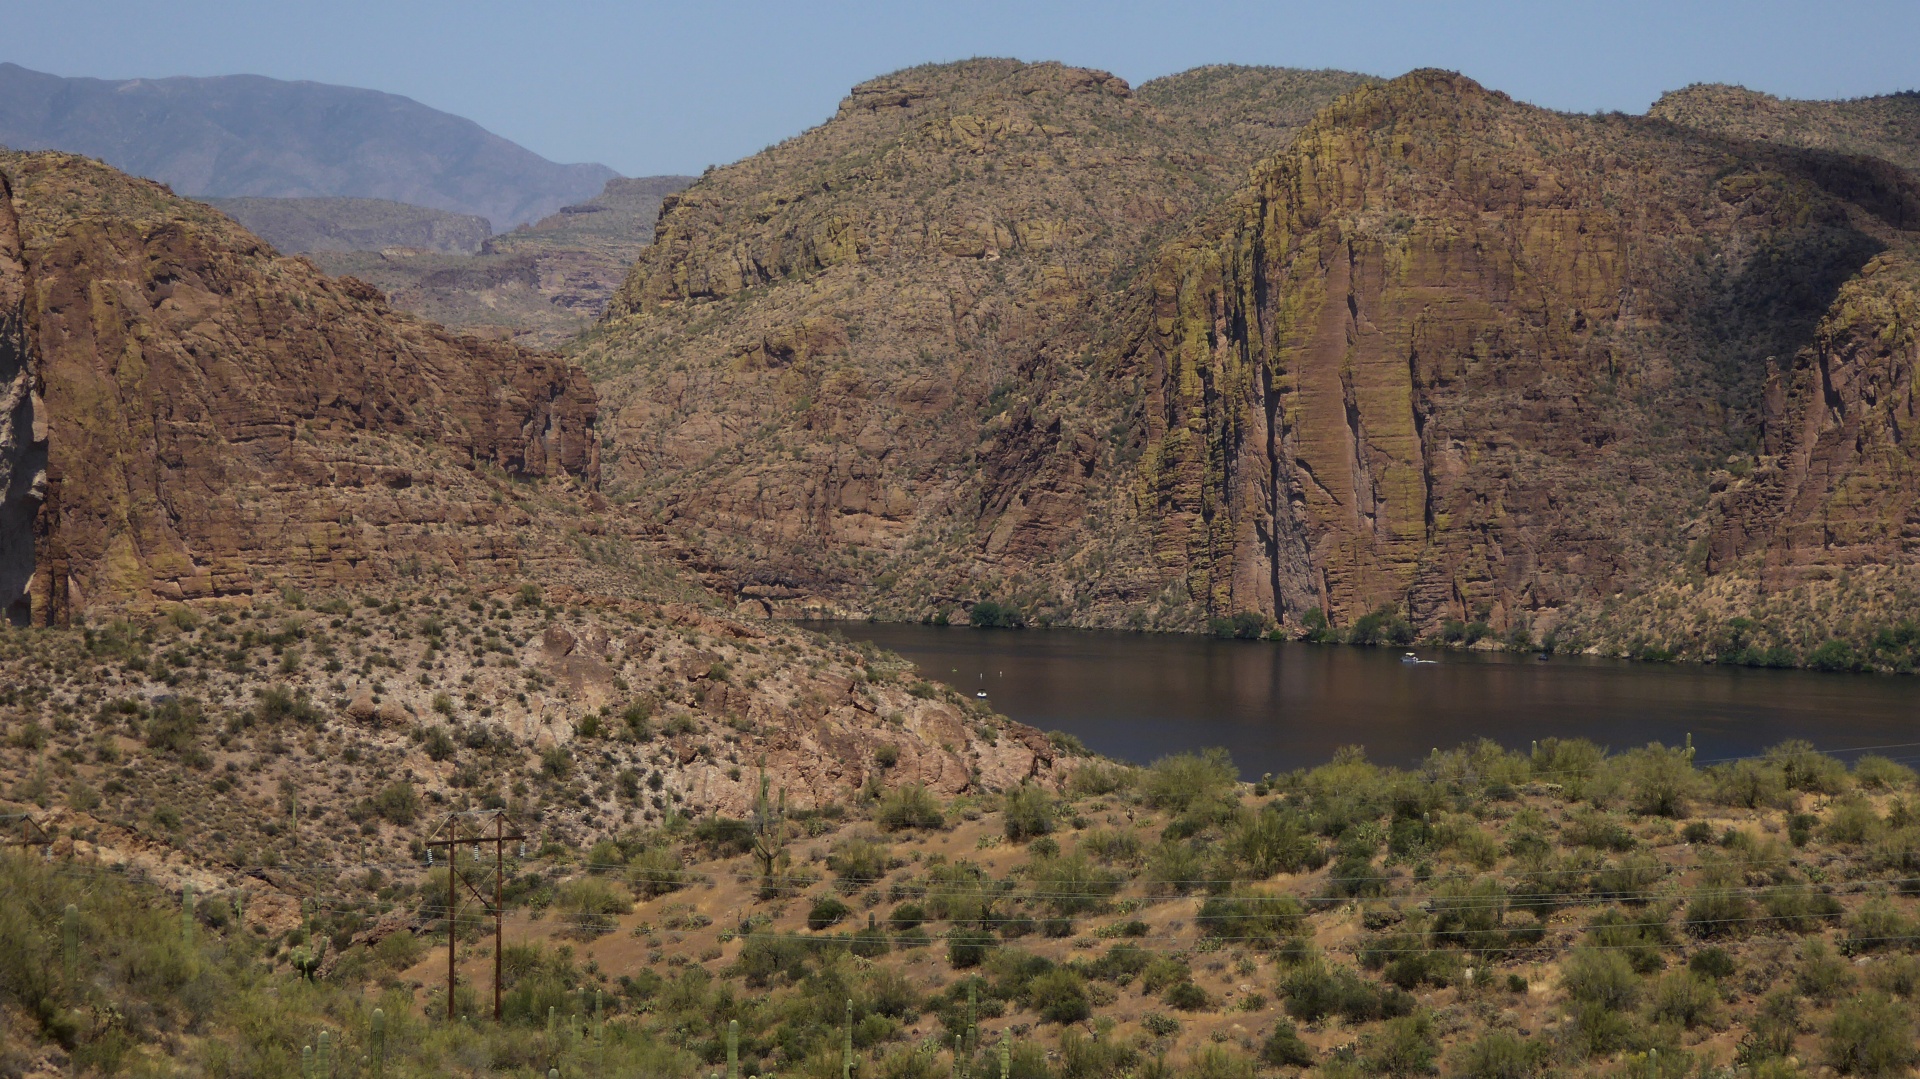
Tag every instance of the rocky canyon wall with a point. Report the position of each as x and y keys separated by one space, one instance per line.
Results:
x=221 y=420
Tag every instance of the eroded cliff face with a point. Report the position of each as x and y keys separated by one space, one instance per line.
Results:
x=827 y=369
x=1837 y=482
x=221 y=420
x=23 y=441
x=1468 y=358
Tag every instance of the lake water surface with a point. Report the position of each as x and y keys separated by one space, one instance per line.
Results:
x=1281 y=706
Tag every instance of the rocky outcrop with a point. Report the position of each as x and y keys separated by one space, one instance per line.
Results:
x=1836 y=484
x=1456 y=355
x=826 y=367
x=23 y=436
x=1427 y=348
x=221 y=420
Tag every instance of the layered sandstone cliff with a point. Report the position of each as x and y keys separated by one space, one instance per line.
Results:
x=1433 y=350
x=823 y=370
x=1465 y=358
x=220 y=420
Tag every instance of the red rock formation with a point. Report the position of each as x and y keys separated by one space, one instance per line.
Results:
x=1838 y=482
x=223 y=420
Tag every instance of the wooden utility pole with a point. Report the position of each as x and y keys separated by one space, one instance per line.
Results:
x=451 y=841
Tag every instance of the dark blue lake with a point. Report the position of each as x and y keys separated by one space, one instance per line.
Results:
x=1281 y=706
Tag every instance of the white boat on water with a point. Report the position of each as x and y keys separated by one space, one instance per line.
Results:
x=1417 y=661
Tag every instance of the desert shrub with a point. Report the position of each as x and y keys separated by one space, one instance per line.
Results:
x=1176 y=782
x=1870 y=1035
x=1719 y=908
x=724 y=836
x=988 y=614
x=1715 y=963
x=1059 y=996
x=656 y=871
x=1598 y=830
x=1382 y=625
x=1498 y=1054
x=1270 y=841
x=1071 y=883
x=826 y=911
x=1852 y=822
x=1097 y=1057
x=967 y=947
x=1798 y=908
x=1634 y=937
x=1314 y=991
x=1284 y=1048
x=1685 y=998
x=1095 y=778
x=1566 y=760
x=1120 y=845
x=1469 y=913
x=589 y=904
x=1174 y=867
x=1216 y=1061
x=1403 y=1046
x=1602 y=978
x=1630 y=878
x=767 y=957
x=1355 y=876
x=909 y=806
x=1876 y=927
x=1186 y=996
x=1804 y=768
x=1897 y=975
x=1252 y=916
x=1028 y=812
x=1660 y=782
x=858 y=861
x=397 y=803
x=174 y=724
x=1821 y=974
x=1877 y=773
x=1749 y=783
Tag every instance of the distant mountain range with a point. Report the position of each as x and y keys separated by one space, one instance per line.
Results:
x=245 y=135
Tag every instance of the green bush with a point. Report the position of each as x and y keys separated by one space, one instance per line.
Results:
x=1821 y=974
x=1071 y=884
x=827 y=910
x=1059 y=996
x=1313 y=992
x=1404 y=1046
x=1028 y=811
x=1500 y=1055
x=1602 y=978
x=1217 y=1062
x=858 y=861
x=656 y=871
x=1382 y=625
x=1799 y=908
x=397 y=803
x=967 y=947
x=909 y=806
x=1685 y=998
x=1870 y=1035
x=987 y=614
x=590 y=904
x=1176 y=782
x=1284 y=1048
x=1254 y=917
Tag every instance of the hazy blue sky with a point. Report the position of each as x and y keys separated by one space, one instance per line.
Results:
x=651 y=88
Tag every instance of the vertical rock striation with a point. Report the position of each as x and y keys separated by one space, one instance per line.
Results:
x=220 y=420
x=23 y=437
